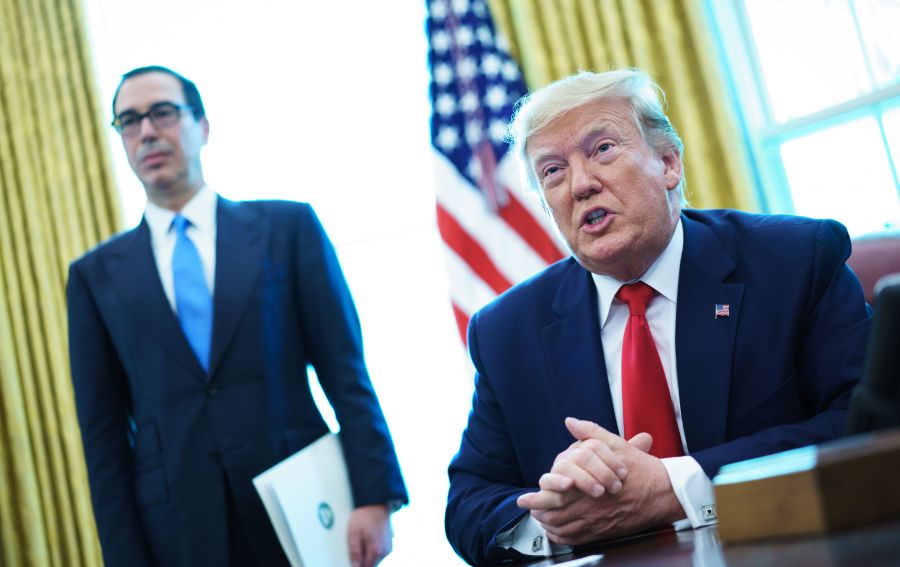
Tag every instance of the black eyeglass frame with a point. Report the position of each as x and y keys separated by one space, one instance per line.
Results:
x=139 y=117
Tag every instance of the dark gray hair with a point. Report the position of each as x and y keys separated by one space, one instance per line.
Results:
x=191 y=94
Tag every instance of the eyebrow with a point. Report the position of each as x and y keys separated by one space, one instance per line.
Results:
x=599 y=128
x=149 y=108
x=585 y=135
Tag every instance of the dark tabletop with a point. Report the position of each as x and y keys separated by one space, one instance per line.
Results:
x=874 y=545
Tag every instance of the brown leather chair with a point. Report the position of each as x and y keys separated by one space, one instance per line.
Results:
x=875 y=256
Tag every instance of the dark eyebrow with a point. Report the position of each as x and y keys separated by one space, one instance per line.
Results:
x=152 y=106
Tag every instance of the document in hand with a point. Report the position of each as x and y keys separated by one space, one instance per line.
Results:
x=308 y=499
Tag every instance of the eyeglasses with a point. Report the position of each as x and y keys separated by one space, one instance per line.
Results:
x=161 y=115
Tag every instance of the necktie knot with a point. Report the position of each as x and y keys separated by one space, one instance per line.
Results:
x=180 y=224
x=638 y=296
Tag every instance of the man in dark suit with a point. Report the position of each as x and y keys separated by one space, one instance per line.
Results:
x=190 y=338
x=612 y=386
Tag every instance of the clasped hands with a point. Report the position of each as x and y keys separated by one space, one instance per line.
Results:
x=602 y=486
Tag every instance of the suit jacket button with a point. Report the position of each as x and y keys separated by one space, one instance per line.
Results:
x=212 y=392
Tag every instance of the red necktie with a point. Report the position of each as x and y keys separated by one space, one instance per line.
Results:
x=646 y=403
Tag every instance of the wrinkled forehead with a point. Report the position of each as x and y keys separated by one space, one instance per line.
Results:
x=610 y=117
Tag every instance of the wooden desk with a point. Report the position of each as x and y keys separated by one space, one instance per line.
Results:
x=874 y=546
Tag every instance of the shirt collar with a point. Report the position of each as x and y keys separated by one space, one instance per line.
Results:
x=662 y=275
x=200 y=211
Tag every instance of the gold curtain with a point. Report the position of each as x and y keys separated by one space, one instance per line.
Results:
x=669 y=39
x=57 y=198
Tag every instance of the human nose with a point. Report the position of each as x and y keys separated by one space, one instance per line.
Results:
x=148 y=129
x=582 y=180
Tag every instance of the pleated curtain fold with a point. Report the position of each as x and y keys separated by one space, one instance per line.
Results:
x=57 y=199
x=672 y=41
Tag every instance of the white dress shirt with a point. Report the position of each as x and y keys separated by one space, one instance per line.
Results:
x=691 y=485
x=201 y=212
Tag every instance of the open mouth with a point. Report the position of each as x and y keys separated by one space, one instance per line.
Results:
x=595 y=216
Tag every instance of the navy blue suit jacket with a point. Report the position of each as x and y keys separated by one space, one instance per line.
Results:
x=163 y=440
x=775 y=374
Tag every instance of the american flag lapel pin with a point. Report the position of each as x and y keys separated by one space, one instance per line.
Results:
x=722 y=310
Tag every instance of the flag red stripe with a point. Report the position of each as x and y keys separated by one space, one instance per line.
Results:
x=523 y=222
x=462 y=322
x=470 y=251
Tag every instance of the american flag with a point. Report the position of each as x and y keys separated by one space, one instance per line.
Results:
x=722 y=310
x=494 y=235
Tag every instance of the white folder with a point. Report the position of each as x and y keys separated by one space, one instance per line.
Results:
x=308 y=499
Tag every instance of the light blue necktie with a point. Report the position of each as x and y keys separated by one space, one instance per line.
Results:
x=192 y=299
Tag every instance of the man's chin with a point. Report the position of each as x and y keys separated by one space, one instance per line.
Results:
x=602 y=259
x=158 y=183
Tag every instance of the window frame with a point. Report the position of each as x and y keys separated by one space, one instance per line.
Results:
x=763 y=134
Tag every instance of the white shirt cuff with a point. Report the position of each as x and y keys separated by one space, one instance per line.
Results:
x=694 y=491
x=529 y=538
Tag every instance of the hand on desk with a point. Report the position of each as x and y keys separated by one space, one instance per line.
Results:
x=585 y=497
x=370 y=535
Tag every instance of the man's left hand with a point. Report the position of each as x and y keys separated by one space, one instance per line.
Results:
x=370 y=535
x=573 y=517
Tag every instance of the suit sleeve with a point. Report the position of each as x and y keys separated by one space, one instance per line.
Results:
x=102 y=402
x=485 y=478
x=829 y=358
x=332 y=329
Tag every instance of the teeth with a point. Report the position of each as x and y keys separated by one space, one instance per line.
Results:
x=595 y=216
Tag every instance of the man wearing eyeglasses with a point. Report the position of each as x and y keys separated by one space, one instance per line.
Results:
x=190 y=338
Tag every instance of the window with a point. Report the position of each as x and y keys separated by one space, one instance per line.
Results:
x=818 y=85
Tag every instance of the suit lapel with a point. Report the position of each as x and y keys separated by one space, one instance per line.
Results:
x=704 y=343
x=241 y=234
x=132 y=270
x=575 y=354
